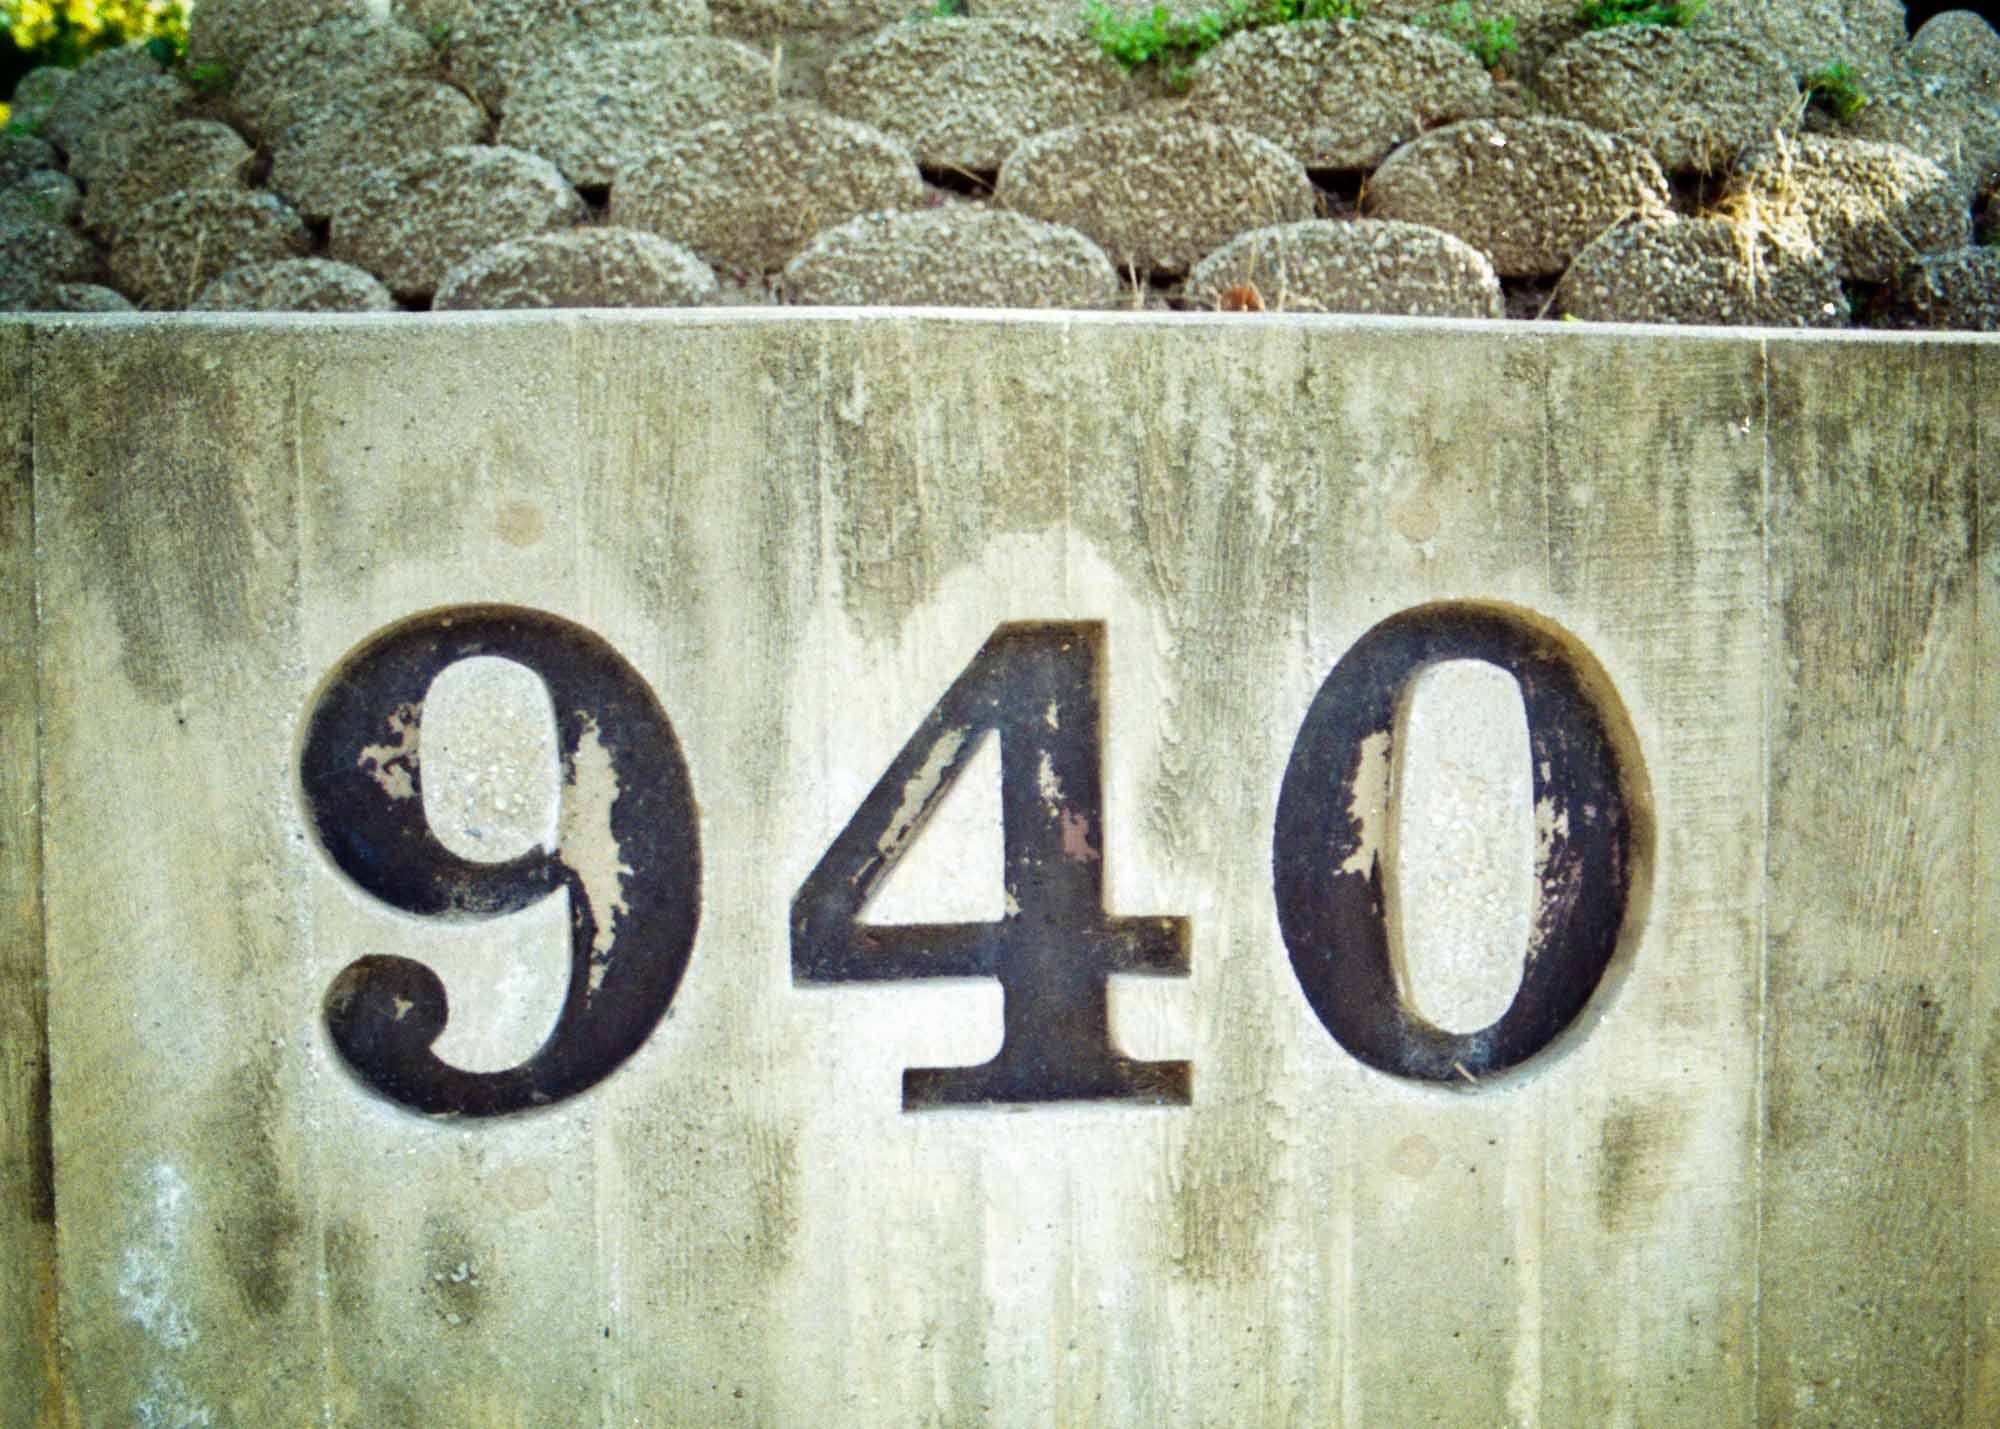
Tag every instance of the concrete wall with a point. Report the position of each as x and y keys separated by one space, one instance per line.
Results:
x=1757 y=1179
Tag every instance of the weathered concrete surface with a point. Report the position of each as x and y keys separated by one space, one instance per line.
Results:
x=28 y=1390
x=1757 y=1181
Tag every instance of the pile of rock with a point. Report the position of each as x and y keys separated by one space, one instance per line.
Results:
x=371 y=155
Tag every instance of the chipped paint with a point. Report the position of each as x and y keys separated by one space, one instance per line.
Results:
x=590 y=847
x=1049 y=785
x=394 y=766
x=1076 y=837
x=918 y=791
x=1369 y=804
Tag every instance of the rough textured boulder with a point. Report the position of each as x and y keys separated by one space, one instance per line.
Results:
x=963 y=93
x=1541 y=27
x=114 y=99
x=1959 y=289
x=954 y=256
x=749 y=193
x=806 y=37
x=46 y=195
x=1958 y=45
x=296 y=285
x=1871 y=208
x=1364 y=266
x=1156 y=194
x=1339 y=94
x=1529 y=193
x=35 y=95
x=44 y=250
x=489 y=44
x=311 y=69
x=23 y=292
x=1700 y=270
x=583 y=268
x=23 y=154
x=1694 y=99
x=320 y=160
x=1807 y=35
x=411 y=224
x=592 y=108
x=228 y=32
x=190 y=154
x=1940 y=117
x=175 y=246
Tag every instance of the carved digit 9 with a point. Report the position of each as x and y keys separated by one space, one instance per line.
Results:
x=628 y=853
x=1327 y=865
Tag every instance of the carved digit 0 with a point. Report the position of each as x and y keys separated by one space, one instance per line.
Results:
x=628 y=854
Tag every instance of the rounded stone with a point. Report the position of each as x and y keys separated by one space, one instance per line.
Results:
x=310 y=69
x=1700 y=270
x=1339 y=94
x=411 y=224
x=1695 y=100
x=34 y=244
x=1364 y=266
x=1958 y=45
x=35 y=95
x=956 y=256
x=189 y=154
x=23 y=291
x=45 y=194
x=229 y=32
x=1808 y=35
x=114 y=100
x=1959 y=289
x=1940 y=117
x=86 y=298
x=23 y=154
x=296 y=285
x=750 y=193
x=1156 y=193
x=1871 y=208
x=1529 y=193
x=171 y=249
x=320 y=160
x=488 y=45
x=962 y=93
x=1541 y=27
x=594 y=107
x=583 y=268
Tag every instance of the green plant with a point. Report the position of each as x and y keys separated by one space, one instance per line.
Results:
x=1156 y=36
x=1487 y=36
x=942 y=10
x=1835 y=89
x=1605 y=14
x=207 y=78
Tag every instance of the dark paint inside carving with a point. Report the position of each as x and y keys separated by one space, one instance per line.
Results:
x=1330 y=894
x=1037 y=688
x=361 y=774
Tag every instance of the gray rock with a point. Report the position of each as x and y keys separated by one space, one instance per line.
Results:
x=305 y=70
x=320 y=160
x=46 y=195
x=1156 y=194
x=1959 y=289
x=489 y=44
x=411 y=224
x=1364 y=266
x=35 y=95
x=804 y=38
x=45 y=250
x=115 y=99
x=1939 y=116
x=1529 y=193
x=583 y=268
x=21 y=291
x=296 y=285
x=22 y=154
x=226 y=33
x=1695 y=99
x=1958 y=45
x=189 y=154
x=1700 y=270
x=171 y=249
x=1339 y=94
x=749 y=193
x=954 y=256
x=595 y=106
x=962 y=93
x=1541 y=27
x=1807 y=35
x=1871 y=208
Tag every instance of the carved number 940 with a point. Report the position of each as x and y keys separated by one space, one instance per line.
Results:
x=628 y=855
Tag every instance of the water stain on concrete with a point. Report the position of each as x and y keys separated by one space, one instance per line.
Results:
x=259 y=1231
x=1640 y=1148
